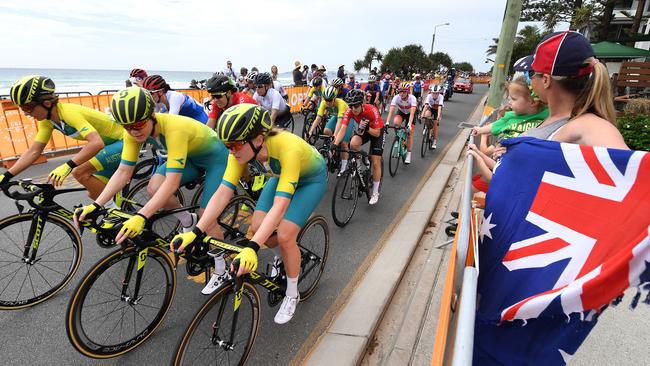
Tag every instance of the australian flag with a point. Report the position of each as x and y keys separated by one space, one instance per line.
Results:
x=565 y=233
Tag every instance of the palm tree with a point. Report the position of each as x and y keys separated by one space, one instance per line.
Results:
x=372 y=55
x=492 y=50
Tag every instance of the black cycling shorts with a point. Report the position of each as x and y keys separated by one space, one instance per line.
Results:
x=434 y=111
x=376 y=143
x=417 y=94
x=283 y=119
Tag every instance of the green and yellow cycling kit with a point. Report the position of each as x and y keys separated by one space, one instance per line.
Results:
x=77 y=122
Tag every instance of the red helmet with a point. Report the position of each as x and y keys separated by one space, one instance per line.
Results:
x=154 y=83
x=138 y=73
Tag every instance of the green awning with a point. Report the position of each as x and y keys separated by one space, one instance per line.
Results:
x=607 y=49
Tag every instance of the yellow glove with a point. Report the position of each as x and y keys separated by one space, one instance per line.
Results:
x=5 y=177
x=133 y=226
x=81 y=212
x=180 y=241
x=247 y=259
x=58 y=175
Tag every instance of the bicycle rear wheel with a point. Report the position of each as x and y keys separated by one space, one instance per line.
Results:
x=58 y=255
x=137 y=197
x=314 y=244
x=395 y=157
x=103 y=319
x=425 y=140
x=345 y=198
x=238 y=214
x=209 y=339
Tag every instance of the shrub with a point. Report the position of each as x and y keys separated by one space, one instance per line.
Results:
x=636 y=131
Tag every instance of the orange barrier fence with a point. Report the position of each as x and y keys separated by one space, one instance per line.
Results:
x=480 y=79
x=17 y=131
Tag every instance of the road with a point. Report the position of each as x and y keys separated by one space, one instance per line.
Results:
x=37 y=335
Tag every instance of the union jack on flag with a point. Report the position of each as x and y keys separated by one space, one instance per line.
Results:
x=566 y=231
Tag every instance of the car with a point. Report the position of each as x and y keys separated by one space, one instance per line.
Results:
x=463 y=85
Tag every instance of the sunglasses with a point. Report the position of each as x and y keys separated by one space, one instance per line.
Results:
x=138 y=125
x=218 y=96
x=260 y=86
x=235 y=146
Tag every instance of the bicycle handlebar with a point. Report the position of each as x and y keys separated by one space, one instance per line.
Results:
x=33 y=190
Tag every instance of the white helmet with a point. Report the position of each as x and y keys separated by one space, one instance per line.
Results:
x=435 y=88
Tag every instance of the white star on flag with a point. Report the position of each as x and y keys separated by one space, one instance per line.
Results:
x=486 y=227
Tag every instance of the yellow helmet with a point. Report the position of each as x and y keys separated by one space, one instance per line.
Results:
x=243 y=122
x=31 y=89
x=131 y=105
x=404 y=86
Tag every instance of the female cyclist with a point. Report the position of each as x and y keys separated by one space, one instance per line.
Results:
x=287 y=200
x=173 y=102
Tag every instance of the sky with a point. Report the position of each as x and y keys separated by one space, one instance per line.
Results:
x=200 y=35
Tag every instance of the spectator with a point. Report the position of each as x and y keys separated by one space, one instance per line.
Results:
x=305 y=73
x=229 y=71
x=310 y=74
x=243 y=72
x=254 y=69
x=352 y=83
x=341 y=72
x=298 y=76
x=323 y=74
x=274 y=72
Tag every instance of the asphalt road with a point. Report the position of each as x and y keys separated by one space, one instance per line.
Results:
x=37 y=335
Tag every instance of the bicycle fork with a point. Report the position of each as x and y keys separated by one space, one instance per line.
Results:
x=34 y=238
x=140 y=261
x=228 y=345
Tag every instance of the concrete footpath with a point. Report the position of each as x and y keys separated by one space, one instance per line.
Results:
x=347 y=338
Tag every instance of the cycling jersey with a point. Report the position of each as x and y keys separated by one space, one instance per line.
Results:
x=368 y=112
x=181 y=136
x=374 y=90
x=318 y=91
x=353 y=85
x=277 y=86
x=77 y=122
x=417 y=86
x=440 y=101
x=237 y=98
x=272 y=100
x=404 y=106
x=340 y=106
x=290 y=157
x=343 y=92
x=183 y=105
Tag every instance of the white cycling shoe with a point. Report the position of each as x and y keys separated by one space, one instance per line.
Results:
x=407 y=160
x=287 y=309
x=374 y=198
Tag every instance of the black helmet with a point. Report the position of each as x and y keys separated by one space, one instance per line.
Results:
x=263 y=78
x=220 y=84
x=355 y=97
x=317 y=82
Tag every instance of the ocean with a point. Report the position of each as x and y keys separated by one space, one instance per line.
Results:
x=93 y=81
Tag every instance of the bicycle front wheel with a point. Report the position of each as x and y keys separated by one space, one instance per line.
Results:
x=217 y=335
x=105 y=317
x=314 y=245
x=395 y=157
x=238 y=214
x=138 y=197
x=24 y=282
x=345 y=198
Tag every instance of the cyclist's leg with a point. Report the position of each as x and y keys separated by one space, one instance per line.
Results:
x=345 y=143
x=214 y=165
x=376 y=151
x=95 y=173
x=190 y=173
x=330 y=127
x=435 y=123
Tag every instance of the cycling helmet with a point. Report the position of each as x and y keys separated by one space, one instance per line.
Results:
x=219 y=73
x=138 y=73
x=387 y=77
x=337 y=82
x=31 y=89
x=154 y=83
x=317 y=82
x=243 y=122
x=435 y=88
x=372 y=78
x=131 y=105
x=263 y=79
x=251 y=76
x=405 y=86
x=220 y=84
x=330 y=93
x=355 y=97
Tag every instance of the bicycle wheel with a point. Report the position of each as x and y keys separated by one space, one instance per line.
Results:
x=314 y=244
x=103 y=319
x=58 y=254
x=369 y=179
x=143 y=169
x=307 y=121
x=138 y=197
x=345 y=198
x=210 y=340
x=395 y=156
x=238 y=214
x=425 y=141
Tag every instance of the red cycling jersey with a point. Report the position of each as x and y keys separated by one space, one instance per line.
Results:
x=237 y=98
x=368 y=112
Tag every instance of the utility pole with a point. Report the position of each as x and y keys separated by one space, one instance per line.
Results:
x=504 y=54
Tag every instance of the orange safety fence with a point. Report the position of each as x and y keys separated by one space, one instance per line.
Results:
x=17 y=131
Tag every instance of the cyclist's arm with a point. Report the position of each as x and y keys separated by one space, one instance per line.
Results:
x=439 y=112
x=338 y=137
x=315 y=125
x=338 y=126
x=212 y=122
x=95 y=144
x=27 y=158
x=176 y=101
x=272 y=219
x=274 y=115
x=213 y=115
x=391 y=113
x=412 y=114
x=118 y=180
x=162 y=195
x=216 y=205
x=377 y=122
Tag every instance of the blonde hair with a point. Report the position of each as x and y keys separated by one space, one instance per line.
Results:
x=522 y=85
x=593 y=92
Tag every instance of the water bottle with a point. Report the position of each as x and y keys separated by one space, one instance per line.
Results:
x=219 y=265
x=361 y=128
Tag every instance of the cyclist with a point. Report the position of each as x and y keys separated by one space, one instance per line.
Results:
x=223 y=91
x=135 y=77
x=250 y=83
x=94 y=164
x=271 y=100
x=374 y=90
x=314 y=94
x=173 y=102
x=417 y=87
x=191 y=148
x=403 y=107
x=286 y=202
x=352 y=84
x=385 y=86
x=370 y=127
x=433 y=108
x=339 y=84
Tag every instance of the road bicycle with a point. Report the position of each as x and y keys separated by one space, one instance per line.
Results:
x=398 y=148
x=225 y=328
x=352 y=184
x=126 y=295
x=427 y=132
x=332 y=159
x=309 y=115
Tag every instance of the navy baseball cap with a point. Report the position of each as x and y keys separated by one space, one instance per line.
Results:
x=524 y=64
x=563 y=54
